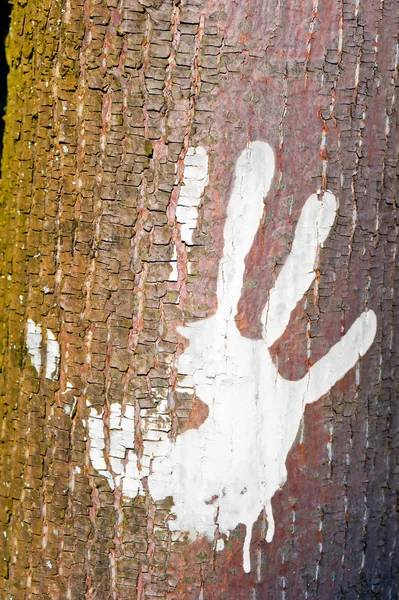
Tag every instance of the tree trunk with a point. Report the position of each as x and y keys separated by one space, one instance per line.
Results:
x=229 y=168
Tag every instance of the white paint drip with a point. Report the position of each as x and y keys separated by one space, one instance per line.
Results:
x=195 y=179
x=226 y=472
x=53 y=356
x=34 y=344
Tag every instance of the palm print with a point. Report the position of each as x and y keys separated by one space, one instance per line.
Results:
x=226 y=472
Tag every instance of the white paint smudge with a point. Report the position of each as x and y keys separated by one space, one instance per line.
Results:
x=195 y=179
x=34 y=347
x=226 y=472
x=69 y=387
x=122 y=464
x=53 y=356
x=34 y=344
x=173 y=263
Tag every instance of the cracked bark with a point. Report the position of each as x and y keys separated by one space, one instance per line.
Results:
x=105 y=99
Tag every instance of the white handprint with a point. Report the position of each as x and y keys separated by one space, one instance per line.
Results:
x=226 y=472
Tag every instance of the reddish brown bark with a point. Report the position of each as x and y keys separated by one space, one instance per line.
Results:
x=105 y=98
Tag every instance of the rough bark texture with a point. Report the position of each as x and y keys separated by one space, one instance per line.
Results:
x=105 y=98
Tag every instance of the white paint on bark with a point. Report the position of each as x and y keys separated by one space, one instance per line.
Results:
x=121 y=467
x=195 y=179
x=226 y=472
x=34 y=339
x=173 y=263
x=34 y=344
x=52 y=356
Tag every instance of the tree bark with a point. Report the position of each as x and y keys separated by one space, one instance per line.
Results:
x=108 y=100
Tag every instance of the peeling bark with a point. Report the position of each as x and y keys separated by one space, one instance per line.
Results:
x=110 y=105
